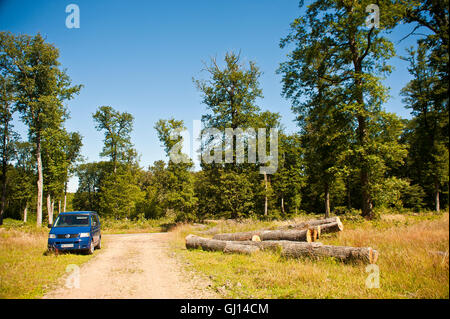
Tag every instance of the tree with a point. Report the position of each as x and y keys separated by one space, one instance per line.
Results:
x=91 y=178
x=55 y=165
x=120 y=194
x=41 y=88
x=428 y=138
x=179 y=185
x=117 y=127
x=23 y=183
x=289 y=179
x=72 y=151
x=333 y=43
x=230 y=95
x=7 y=135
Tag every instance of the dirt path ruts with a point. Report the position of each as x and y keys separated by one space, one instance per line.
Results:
x=135 y=266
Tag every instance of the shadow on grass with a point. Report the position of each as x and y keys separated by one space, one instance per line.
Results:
x=167 y=227
x=64 y=252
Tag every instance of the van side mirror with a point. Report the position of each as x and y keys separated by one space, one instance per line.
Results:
x=49 y=225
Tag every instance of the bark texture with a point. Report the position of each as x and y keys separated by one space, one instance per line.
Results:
x=288 y=249
x=294 y=235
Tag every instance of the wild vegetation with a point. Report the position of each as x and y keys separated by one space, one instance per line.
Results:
x=349 y=154
x=413 y=261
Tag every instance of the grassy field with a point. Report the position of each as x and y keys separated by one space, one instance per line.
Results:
x=26 y=271
x=413 y=261
x=126 y=226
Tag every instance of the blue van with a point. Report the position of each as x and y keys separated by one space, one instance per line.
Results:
x=75 y=231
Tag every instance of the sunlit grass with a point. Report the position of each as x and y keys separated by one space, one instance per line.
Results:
x=413 y=262
x=25 y=270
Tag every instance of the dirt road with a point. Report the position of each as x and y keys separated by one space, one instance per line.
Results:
x=133 y=266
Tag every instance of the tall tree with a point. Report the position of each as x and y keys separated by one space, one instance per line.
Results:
x=230 y=93
x=178 y=178
x=41 y=89
x=334 y=34
x=72 y=151
x=117 y=127
x=428 y=139
x=24 y=185
x=7 y=135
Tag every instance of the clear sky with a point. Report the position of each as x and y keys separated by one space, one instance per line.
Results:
x=140 y=57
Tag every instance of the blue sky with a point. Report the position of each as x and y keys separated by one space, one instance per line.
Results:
x=140 y=57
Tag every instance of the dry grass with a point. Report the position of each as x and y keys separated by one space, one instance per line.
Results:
x=25 y=270
x=413 y=262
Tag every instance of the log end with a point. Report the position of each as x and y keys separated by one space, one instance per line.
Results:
x=309 y=235
x=256 y=238
x=373 y=256
x=340 y=225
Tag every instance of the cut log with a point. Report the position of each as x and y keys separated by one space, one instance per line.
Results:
x=288 y=249
x=331 y=227
x=294 y=235
x=193 y=242
x=312 y=222
x=343 y=253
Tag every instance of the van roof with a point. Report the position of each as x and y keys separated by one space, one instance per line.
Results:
x=78 y=212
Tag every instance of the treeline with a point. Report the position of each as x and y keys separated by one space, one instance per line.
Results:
x=33 y=85
x=349 y=154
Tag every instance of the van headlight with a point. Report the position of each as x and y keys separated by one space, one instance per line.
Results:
x=84 y=235
x=51 y=236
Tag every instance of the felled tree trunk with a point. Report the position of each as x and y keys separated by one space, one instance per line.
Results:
x=312 y=222
x=330 y=228
x=193 y=242
x=294 y=235
x=344 y=253
x=288 y=249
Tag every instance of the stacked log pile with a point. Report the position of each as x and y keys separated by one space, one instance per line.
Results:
x=298 y=240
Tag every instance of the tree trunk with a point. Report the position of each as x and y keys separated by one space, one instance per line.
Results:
x=282 y=204
x=40 y=183
x=65 y=196
x=59 y=207
x=436 y=198
x=349 y=197
x=25 y=213
x=265 y=200
x=294 y=235
x=327 y=200
x=313 y=222
x=3 y=204
x=288 y=249
x=49 y=209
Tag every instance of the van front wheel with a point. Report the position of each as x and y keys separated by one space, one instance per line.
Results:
x=91 y=249
x=99 y=245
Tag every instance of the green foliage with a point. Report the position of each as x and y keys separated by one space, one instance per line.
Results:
x=338 y=65
x=119 y=195
x=428 y=158
x=117 y=128
x=177 y=182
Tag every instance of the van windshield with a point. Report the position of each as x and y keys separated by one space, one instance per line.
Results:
x=72 y=221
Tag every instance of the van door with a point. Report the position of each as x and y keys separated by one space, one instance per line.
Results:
x=95 y=228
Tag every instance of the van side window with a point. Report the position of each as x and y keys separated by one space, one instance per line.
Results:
x=94 y=221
